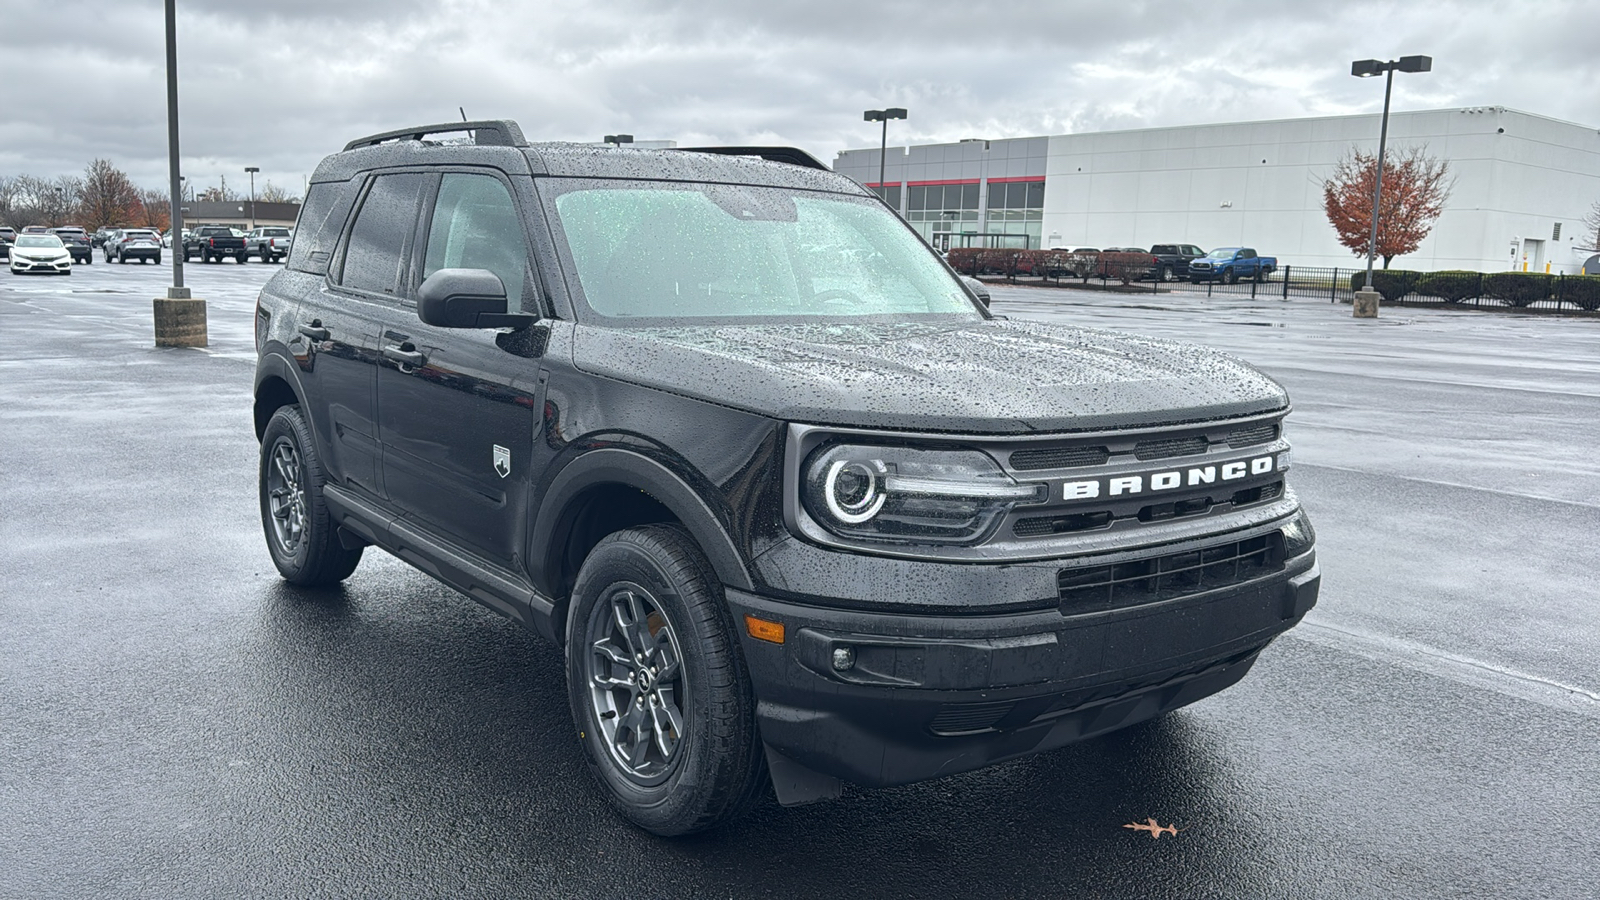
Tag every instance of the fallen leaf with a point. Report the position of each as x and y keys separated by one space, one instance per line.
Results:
x=1155 y=830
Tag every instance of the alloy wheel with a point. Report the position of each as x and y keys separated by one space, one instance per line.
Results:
x=633 y=666
x=287 y=497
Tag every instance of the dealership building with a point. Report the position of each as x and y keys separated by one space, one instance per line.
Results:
x=1522 y=186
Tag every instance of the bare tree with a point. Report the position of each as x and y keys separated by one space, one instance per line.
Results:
x=1416 y=187
x=109 y=197
x=1591 y=227
x=154 y=209
x=271 y=193
x=220 y=192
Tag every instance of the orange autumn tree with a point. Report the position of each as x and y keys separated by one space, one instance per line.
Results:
x=1416 y=187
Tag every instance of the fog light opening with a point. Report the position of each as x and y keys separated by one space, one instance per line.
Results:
x=844 y=658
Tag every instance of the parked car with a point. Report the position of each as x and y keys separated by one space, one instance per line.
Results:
x=1229 y=264
x=8 y=236
x=40 y=254
x=793 y=509
x=214 y=243
x=268 y=243
x=76 y=240
x=1171 y=261
x=98 y=238
x=35 y=229
x=142 y=244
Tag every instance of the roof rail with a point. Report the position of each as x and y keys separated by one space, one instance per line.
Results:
x=485 y=133
x=791 y=155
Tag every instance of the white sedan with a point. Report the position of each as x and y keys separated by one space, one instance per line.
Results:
x=40 y=253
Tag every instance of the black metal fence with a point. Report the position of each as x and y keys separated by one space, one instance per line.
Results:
x=1491 y=290
x=1497 y=290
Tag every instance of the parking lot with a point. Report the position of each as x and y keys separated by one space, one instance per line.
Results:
x=179 y=723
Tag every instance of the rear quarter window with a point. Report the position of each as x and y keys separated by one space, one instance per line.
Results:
x=321 y=220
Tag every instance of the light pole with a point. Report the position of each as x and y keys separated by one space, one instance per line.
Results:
x=883 y=115
x=617 y=140
x=180 y=320
x=252 y=170
x=1367 y=307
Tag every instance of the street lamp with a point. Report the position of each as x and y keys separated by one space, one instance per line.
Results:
x=619 y=139
x=252 y=170
x=1366 y=68
x=883 y=115
x=180 y=320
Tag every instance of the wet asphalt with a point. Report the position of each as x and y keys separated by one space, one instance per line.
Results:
x=176 y=722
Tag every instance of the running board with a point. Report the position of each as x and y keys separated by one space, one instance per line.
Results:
x=498 y=588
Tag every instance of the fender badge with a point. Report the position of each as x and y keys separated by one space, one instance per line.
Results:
x=502 y=460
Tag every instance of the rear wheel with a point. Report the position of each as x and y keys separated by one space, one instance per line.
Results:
x=301 y=535
x=658 y=685
x=158 y=259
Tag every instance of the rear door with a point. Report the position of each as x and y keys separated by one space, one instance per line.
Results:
x=340 y=322
x=457 y=407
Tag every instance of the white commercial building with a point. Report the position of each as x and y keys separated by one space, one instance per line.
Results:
x=1523 y=184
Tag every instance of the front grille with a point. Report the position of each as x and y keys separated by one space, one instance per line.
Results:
x=1059 y=458
x=1168 y=577
x=1251 y=435
x=1259 y=494
x=969 y=718
x=1042 y=525
x=1165 y=448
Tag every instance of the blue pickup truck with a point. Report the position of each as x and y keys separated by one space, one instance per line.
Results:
x=1229 y=264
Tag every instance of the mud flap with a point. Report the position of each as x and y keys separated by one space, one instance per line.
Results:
x=795 y=784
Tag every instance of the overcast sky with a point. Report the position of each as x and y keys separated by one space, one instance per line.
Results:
x=282 y=83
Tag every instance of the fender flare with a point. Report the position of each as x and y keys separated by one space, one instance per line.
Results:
x=274 y=365
x=613 y=465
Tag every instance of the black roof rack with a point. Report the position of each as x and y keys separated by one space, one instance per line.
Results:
x=791 y=155
x=485 y=133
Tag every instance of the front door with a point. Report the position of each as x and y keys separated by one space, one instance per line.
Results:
x=456 y=411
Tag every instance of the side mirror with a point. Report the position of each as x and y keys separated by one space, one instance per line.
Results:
x=978 y=289
x=466 y=298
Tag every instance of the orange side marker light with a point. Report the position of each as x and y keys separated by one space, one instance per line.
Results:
x=762 y=630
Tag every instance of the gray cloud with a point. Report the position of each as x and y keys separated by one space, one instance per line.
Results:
x=281 y=88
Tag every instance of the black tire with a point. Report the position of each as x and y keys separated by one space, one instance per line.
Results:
x=303 y=541
x=265 y=257
x=1165 y=274
x=121 y=260
x=1230 y=277
x=157 y=259
x=716 y=765
x=241 y=258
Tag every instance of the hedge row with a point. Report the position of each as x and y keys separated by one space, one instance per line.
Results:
x=1124 y=267
x=1516 y=289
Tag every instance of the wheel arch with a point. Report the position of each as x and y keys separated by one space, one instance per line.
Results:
x=606 y=490
x=276 y=387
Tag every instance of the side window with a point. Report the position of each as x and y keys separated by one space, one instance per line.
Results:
x=321 y=219
x=475 y=226
x=1247 y=253
x=372 y=257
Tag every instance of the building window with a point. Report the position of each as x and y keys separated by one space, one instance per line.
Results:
x=890 y=194
x=1016 y=207
x=942 y=209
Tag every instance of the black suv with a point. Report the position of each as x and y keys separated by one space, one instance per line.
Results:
x=797 y=505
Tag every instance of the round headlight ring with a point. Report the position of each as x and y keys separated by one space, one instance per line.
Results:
x=853 y=490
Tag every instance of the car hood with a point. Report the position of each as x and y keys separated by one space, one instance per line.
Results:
x=40 y=252
x=995 y=376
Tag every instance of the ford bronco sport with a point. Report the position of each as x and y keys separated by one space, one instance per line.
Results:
x=799 y=508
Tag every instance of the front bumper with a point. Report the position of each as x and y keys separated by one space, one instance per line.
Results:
x=21 y=264
x=925 y=696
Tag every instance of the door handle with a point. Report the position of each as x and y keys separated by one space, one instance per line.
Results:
x=410 y=357
x=315 y=331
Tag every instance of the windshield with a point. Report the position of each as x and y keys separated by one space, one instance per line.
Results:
x=668 y=251
x=1224 y=253
x=40 y=240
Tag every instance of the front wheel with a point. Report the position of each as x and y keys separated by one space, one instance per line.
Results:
x=1230 y=277
x=301 y=535
x=658 y=685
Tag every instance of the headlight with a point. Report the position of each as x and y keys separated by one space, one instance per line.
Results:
x=901 y=495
